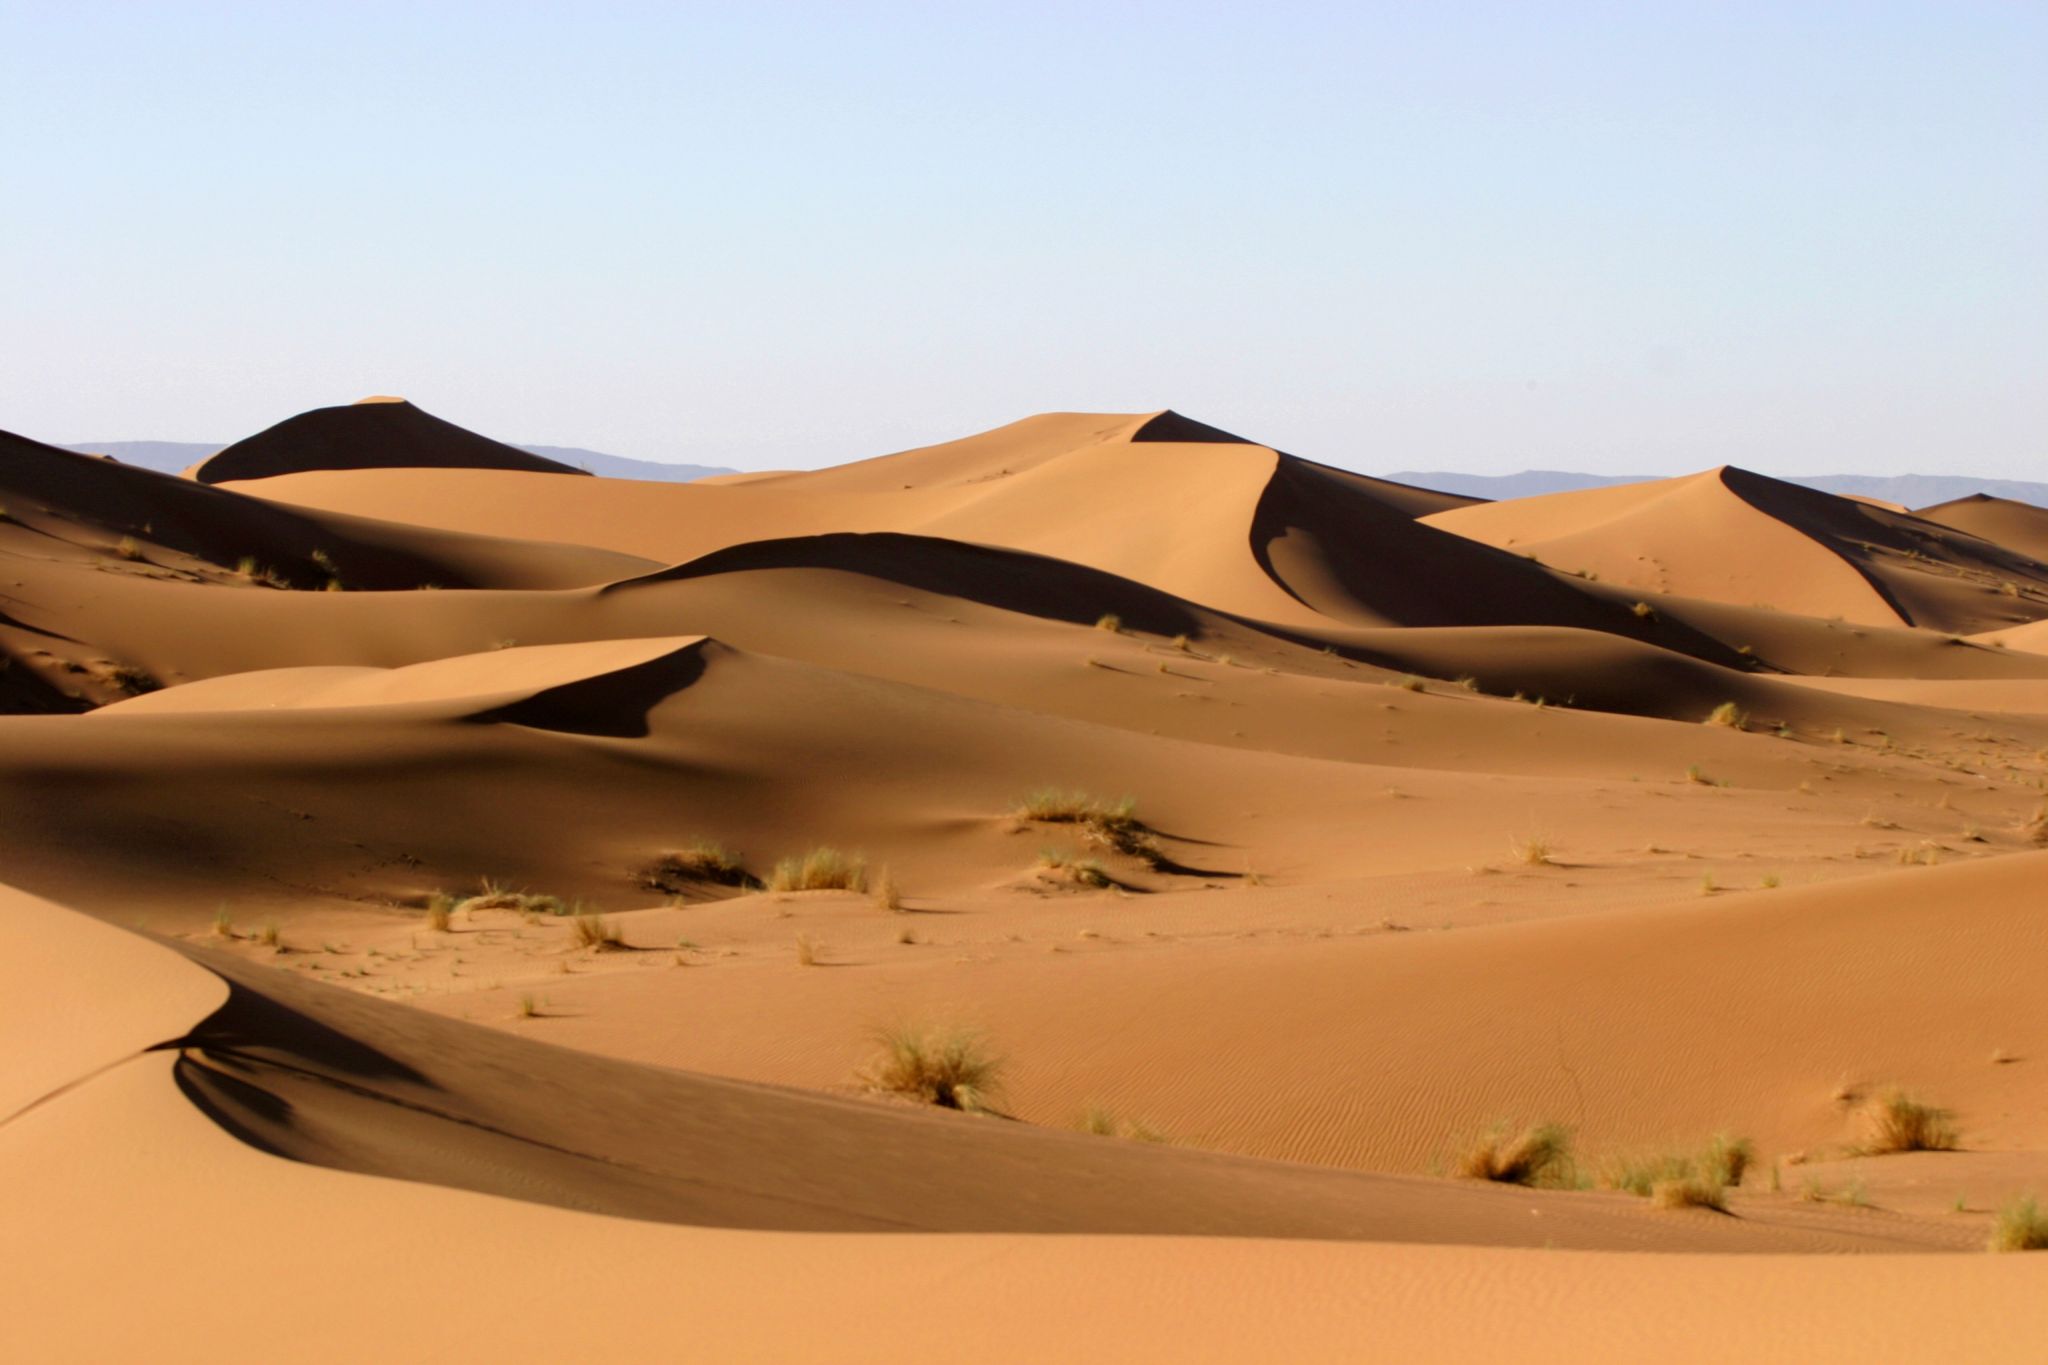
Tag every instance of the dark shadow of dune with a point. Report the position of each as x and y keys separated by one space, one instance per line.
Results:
x=1010 y=580
x=612 y=705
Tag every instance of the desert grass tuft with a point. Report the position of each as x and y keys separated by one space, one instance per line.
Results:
x=1534 y=852
x=1112 y=824
x=822 y=869
x=1900 y=1123
x=1728 y=714
x=440 y=910
x=496 y=897
x=2021 y=1226
x=704 y=860
x=1693 y=1192
x=127 y=548
x=886 y=896
x=269 y=935
x=951 y=1068
x=1110 y=622
x=1085 y=871
x=223 y=923
x=595 y=931
x=806 y=951
x=1538 y=1155
x=529 y=1008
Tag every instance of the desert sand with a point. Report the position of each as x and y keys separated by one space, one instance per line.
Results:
x=369 y=992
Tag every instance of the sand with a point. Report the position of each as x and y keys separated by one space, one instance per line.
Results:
x=1721 y=814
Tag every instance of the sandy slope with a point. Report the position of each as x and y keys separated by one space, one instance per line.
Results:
x=1734 y=536
x=170 y=1219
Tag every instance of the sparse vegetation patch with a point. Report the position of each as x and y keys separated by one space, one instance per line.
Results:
x=951 y=1068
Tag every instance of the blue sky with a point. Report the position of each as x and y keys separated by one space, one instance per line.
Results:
x=1620 y=238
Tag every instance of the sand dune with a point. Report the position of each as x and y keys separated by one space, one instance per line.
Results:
x=374 y=433
x=2017 y=526
x=1733 y=536
x=1293 y=818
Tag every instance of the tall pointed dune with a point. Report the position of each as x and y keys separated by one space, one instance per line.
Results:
x=375 y=433
x=1730 y=535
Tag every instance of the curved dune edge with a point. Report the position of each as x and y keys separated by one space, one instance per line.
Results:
x=199 y=1230
x=78 y=995
x=495 y=678
x=172 y=1220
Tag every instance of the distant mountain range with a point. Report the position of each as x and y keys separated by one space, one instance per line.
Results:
x=1908 y=490
x=175 y=457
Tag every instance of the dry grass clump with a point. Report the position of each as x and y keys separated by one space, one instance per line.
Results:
x=948 y=1067
x=1690 y=1193
x=2021 y=1226
x=1644 y=611
x=1110 y=622
x=1085 y=871
x=885 y=894
x=703 y=861
x=1677 y=1180
x=223 y=923
x=1112 y=824
x=1900 y=1123
x=1103 y=1122
x=440 y=910
x=496 y=897
x=822 y=869
x=1728 y=714
x=127 y=548
x=1408 y=682
x=1538 y=1155
x=595 y=931
x=806 y=951
x=1533 y=851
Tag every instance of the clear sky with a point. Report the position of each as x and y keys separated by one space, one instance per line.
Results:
x=1640 y=237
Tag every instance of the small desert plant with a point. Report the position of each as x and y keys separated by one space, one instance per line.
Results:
x=2021 y=1226
x=1408 y=682
x=246 y=566
x=806 y=951
x=1103 y=1122
x=440 y=909
x=595 y=931
x=1772 y=881
x=1532 y=851
x=887 y=897
x=703 y=861
x=1728 y=714
x=1181 y=643
x=1113 y=824
x=529 y=1008
x=269 y=936
x=822 y=869
x=1692 y=1192
x=496 y=897
x=1900 y=1123
x=223 y=923
x=1086 y=871
x=126 y=548
x=1538 y=1155
x=1110 y=622
x=1644 y=611
x=950 y=1068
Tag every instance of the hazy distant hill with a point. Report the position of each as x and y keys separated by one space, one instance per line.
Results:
x=174 y=457
x=1908 y=490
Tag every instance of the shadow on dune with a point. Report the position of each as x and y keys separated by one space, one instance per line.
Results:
x=1010 y=580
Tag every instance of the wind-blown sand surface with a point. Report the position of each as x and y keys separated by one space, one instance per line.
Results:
x=1721 y=815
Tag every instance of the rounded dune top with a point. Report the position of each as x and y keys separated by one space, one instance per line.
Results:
x=379 y=432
